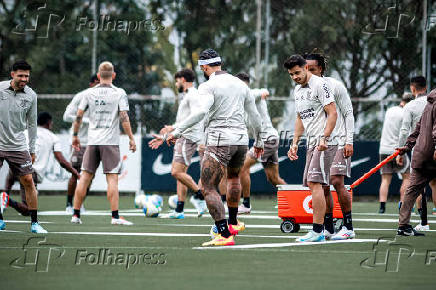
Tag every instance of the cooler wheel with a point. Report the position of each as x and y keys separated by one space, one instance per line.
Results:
x=289 y=227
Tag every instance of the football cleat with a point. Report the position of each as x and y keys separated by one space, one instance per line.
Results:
x=344 y=234
x=242 y=209
x=176 y=215
x=235 y=229
x=311 y=236
x=407 y=231
x=2 y=225
x=4 y=201
x=220 y=241
x=421 y=228
x=121 y=221
x=76 y=220
x=328 y=234
x=37 y=229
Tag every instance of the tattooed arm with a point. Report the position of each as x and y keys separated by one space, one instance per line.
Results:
x=125 y=123
x=76 y=127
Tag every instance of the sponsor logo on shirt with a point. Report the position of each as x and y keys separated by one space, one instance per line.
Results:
x=308 y=113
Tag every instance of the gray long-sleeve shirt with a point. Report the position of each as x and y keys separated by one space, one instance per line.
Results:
x=411 y=114
x=18 y=112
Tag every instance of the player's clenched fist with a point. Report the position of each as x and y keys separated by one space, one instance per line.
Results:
x=292 y=153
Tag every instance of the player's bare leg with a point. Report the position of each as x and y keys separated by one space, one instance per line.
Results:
x=246 y=183
x=79 y=195
x=178 y=171
x=383 y=192
x=433 y=194
x=318 y=202
x=345 y=201
x=233 y=195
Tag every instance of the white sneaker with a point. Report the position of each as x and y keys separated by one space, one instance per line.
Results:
x=242 y=209
x=76 y=220
x=328 y=235
x=69 y=210
x=343 y=234
x=311 y=236
x=420 y=228
x=121 y=221
x=200 y=205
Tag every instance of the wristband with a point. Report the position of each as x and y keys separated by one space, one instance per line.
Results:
x=75 y=134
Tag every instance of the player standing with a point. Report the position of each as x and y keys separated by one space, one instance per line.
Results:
x=18 y=112
x=270 y=157
x=226 y=99
x=341 y=166
x=316 y=114
x=108 y=106
x=77 y=156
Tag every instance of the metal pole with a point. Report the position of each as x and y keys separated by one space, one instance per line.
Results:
x=258 y=27
x=424 y=38
x=94 y=39
x=266 y=57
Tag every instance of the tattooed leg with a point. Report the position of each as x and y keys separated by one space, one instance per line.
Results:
x=233 y=187
x=211 y=174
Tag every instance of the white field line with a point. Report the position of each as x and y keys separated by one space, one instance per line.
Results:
x=24 y=222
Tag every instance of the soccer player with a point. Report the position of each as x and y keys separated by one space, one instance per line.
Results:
x=388 y=143
x=186 y=146
x=108 y=106
x=225 y=99
x=341 y=166
x=47 y=144
x=77 y=156
x=423 y=142
x=411 y=114
x=316 y=114
x=18 y=113
x=270 y=157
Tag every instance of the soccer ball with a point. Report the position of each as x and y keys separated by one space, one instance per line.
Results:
x=140 y=200
x=156 y=199
x=172 y=201
x=213 y=231
x=150 y=210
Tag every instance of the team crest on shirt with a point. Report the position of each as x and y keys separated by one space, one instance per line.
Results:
x=24 y=103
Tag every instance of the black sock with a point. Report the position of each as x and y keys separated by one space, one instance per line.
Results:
x=246 y=202
x=69 y=200
x=223 y=198
x=328 y=222
x=180 y=206
x=1 y=216
x=317 y=228
x=33 y=215
x=115 y=214
x=233 y=212
x=223 y=229
x=199 y=195
x=77 y=212
x=382 y=205
x=348 y=222
x=13 y=203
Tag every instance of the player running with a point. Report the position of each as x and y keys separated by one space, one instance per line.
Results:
x=18 y=113
x=270 y=157
x=225 y=99
x=108 y=106
x=77 y=156
x=411 y=115
x=341 y=166
x=316 y=114
x=47 y=144
x=186 y=146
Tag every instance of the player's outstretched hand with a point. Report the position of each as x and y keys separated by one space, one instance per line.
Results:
x=132 y=145
x=171 y=140
x=292 y=153
x=156 y=142
x=258 y=152
x=76 y=143
x=348 y=150
x=403 y=149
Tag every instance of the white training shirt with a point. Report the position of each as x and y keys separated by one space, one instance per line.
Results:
x=310 y=101
x=268 y=131
x=412 y=113
x=104 y=103
x=344 y=129
x=391 y=130
x=189 y=102
x=46 y=143
x=226 y=98
x=70 y=116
